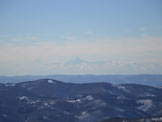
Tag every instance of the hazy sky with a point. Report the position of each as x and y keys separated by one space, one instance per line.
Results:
x=40 y=37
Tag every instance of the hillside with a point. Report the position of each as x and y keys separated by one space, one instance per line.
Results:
x=48 y=100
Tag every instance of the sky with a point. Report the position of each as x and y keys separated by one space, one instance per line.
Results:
x=43 y=37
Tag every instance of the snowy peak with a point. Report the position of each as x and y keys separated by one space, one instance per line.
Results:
x=75 y=61
x=51 y=81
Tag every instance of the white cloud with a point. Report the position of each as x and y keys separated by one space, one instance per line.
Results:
x=49 y=57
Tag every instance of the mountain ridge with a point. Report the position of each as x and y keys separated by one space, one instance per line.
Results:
x=143 y=79
x=46 y=100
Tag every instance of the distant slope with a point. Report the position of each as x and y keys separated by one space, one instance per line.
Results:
x=151 y=80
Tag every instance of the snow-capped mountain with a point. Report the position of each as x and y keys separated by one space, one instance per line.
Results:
x=48 y=100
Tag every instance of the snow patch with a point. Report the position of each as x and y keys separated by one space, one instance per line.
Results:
x=156 y=119
x=51 y=81
x=123 y=88
x=89 y=98
x=121 y=97
x=147 y=95
x=98 y=103
x=119 y=109
x=45 y=103
x=10 y=84
x=4 y=115
x=83 y=115
x=66 y=112
x=23 y=98
x=146 y=104
x=44 y=117
x=74 y=100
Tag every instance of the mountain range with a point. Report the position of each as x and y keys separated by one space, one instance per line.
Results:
x=143 y=79
x=48 y=100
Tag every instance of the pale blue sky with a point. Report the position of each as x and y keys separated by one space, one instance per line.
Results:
x=45 y=34
x=114 y=18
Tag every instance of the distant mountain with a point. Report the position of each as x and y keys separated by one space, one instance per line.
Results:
x=151 y=80
x=76 y=61
x=48 y=100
